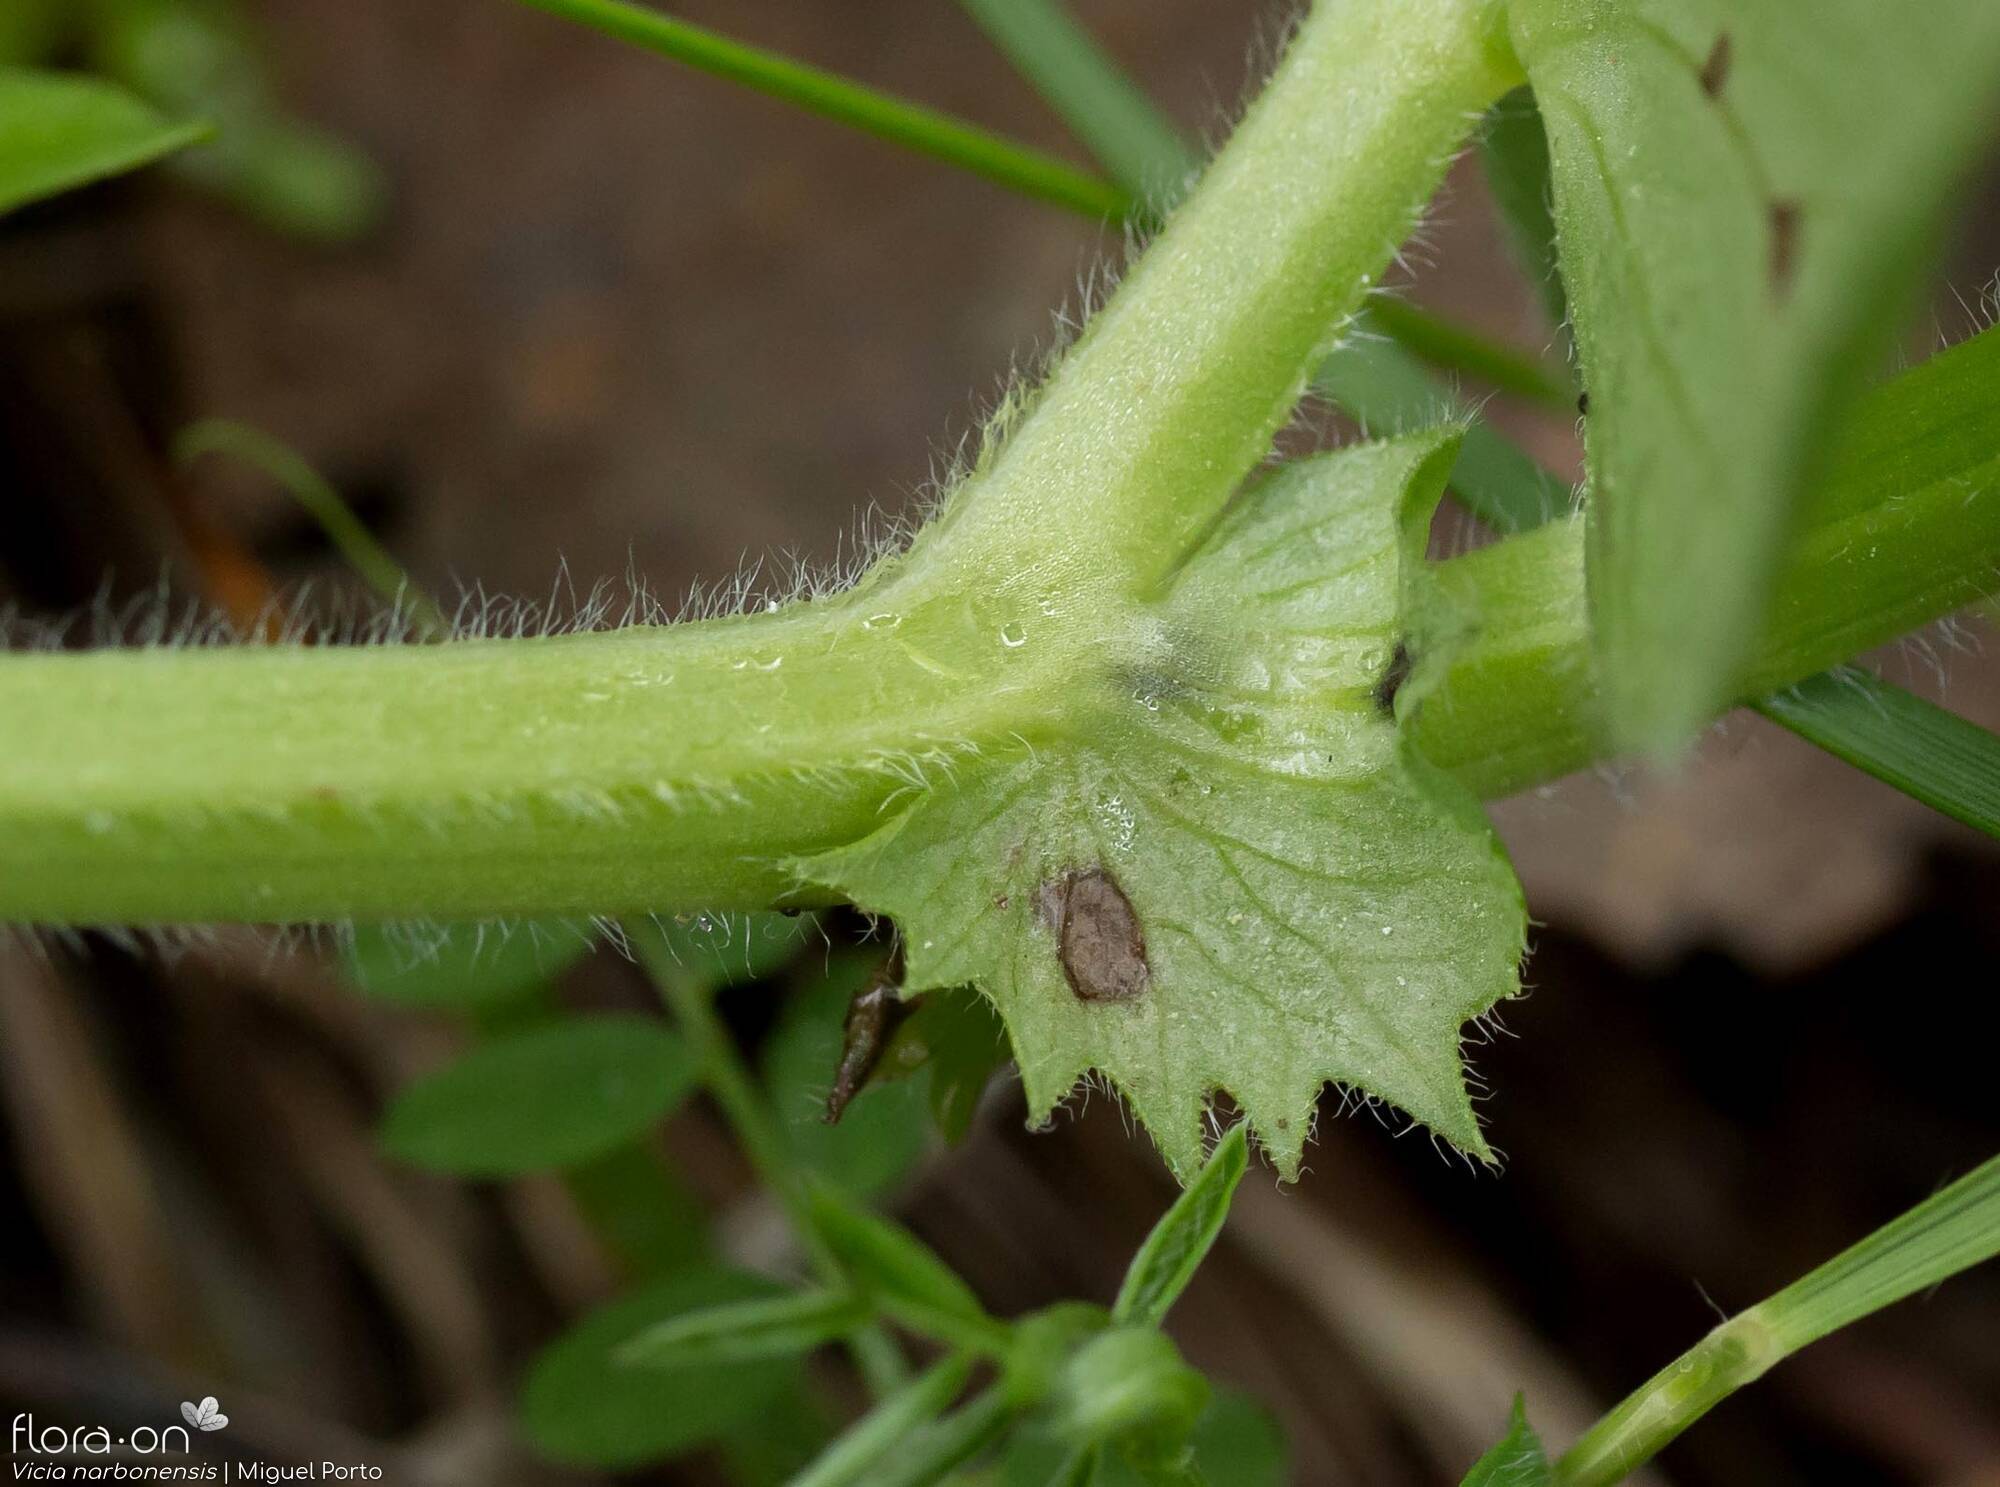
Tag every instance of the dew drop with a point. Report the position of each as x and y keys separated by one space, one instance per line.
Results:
x=1013 y=634
x=882 y=622
x=1388 y=929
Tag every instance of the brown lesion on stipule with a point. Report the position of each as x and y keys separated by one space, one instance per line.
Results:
x=1715 y=70
x=1099 y=940
x=1785 y=221
x=877 y=1010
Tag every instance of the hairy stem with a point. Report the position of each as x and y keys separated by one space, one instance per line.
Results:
x=657 y=768
x=653 y=768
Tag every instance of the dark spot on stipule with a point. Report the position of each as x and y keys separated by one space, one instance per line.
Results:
x=877 y=1010
x=1715 y=71
x=1098 y=938
x=1784 y=244
x=1392 y=679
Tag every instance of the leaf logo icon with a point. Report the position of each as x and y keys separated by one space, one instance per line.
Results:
x=204 y=1416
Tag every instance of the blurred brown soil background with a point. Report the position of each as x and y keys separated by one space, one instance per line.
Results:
x=624 y=316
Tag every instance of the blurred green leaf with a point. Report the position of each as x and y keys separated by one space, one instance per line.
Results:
x=1518 y=1461
x=59 y=131
x=198 y=56
x=1515 y=153
x=901 y=1274
x=884 y=1130
x=1180 y=1241
x=546 y=1098
x=462 y=967
x=640 y=1208
x=849 y=1461
x=581 y=1407
x=1237 y=1443
x=781 y=1326
x=1746 y=198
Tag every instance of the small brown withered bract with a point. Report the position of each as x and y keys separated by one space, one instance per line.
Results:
x=874 y=1014
x=1098 y=938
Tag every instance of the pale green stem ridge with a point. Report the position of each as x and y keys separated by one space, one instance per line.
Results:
x=1954 y=1229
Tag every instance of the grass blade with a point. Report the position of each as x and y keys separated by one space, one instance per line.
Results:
x=1951 y=765
x=1103 y=108
x=1955 y=1229
x=370 y=561
x=924 y=130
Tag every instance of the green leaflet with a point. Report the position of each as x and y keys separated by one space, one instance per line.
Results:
x=1315 y=903
x=1180 y=1241
x=1517 y=1461
x=59 y=131
x=554 y=1096
x=1745 y=194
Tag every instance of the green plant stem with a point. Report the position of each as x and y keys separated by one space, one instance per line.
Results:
x=1956 y=1228
x=924 y=130
x=659 y=768
x=642 y=769
x=1518 y=703
x=692 y=1002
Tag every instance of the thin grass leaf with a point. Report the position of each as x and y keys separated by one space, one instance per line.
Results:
x=1180 y=1241
x=784 y=1326
x=295 y=475
x=59 y=131
x=1142 y=150
x=1450 y=346
x=1951 y=765
x=924 y=130
x=1956 y=1228
x=1102 y=107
